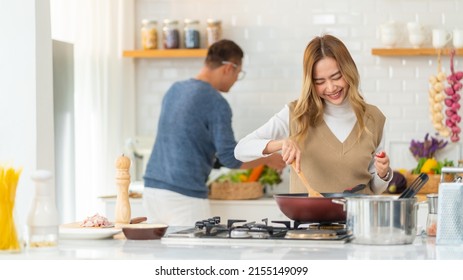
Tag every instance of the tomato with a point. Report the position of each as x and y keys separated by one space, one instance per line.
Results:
x=381 y=154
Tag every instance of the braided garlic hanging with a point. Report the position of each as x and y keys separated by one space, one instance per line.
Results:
x=436 y=99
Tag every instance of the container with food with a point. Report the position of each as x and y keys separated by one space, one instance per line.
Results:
x=170 y=34
x=214 y=31
x=431 y=222
x=144 y=231
x=191 y=34
x=149 y=34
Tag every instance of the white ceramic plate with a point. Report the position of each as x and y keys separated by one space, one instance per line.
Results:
x=75 y=231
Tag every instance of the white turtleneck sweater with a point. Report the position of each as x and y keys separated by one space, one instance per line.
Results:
x=339 y=118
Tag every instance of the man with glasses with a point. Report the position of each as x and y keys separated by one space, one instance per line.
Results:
x=195 y=130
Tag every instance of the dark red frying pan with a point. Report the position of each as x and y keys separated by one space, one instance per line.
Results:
x=299 y=207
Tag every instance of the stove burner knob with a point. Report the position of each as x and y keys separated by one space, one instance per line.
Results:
x=216 y=219
x=211 y=221
x=199 y=224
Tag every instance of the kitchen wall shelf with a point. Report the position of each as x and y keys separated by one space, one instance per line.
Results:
x=163 y=53
x=411 y=51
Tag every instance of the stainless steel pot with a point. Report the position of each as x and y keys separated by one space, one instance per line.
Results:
x=381 y=220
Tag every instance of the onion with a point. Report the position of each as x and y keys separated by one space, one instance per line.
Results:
x=456 y=129
x=457 y=87
x=449 y=102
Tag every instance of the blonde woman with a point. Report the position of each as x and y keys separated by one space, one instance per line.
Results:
x=334 y=137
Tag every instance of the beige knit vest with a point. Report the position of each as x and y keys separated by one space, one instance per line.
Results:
x=331 y=166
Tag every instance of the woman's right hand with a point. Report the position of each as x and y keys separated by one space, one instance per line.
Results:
x=289 y=151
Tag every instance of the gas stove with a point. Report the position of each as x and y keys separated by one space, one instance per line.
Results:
x=237 y=231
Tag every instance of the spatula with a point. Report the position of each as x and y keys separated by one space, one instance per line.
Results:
x=311 y=192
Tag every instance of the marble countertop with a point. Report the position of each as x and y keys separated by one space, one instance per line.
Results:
x=423 y=248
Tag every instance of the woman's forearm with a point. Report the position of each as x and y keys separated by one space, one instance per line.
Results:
x=273 y=146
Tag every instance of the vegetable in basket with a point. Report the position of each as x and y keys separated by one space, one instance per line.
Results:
x=425 y=153
x=262 y=174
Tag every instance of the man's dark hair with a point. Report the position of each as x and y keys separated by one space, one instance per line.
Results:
x=223 y=50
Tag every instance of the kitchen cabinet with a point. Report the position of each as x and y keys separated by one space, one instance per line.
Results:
x=411 y=51
x=165 y=53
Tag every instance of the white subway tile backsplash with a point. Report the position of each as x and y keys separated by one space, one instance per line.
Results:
x=274 y=35
x=324 y=19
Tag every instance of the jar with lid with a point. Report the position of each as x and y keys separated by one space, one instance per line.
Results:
x=213 y=31
x=149 y=34
x=43 y=218
x=191 y=34
x=170 y=34
x=431 y=222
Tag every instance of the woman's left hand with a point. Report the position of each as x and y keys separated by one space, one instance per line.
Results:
x=382 y=164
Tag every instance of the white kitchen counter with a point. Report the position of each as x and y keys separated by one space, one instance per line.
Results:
x=110 y=249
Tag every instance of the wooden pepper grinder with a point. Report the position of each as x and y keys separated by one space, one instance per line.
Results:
x=123 y=182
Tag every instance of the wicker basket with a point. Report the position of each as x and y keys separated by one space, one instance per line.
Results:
x=234 y=191
x=432 y=185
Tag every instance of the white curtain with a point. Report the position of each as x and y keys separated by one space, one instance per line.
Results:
x=104 y=96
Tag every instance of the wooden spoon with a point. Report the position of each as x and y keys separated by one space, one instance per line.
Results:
x=311 y=192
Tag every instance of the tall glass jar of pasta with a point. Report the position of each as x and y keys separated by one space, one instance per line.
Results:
x=213 y=31
x=149 y=34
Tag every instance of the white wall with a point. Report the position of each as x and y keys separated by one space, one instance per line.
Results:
x=274 y=34
x=26 y=91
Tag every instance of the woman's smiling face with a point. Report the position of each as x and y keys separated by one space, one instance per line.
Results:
x=329 y=82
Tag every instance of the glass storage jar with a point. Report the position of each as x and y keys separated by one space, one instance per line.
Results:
x=213 y=31
x=149 y=34
x=43 y=219
x=431 y=222
x=170 y=34
x=191 y=34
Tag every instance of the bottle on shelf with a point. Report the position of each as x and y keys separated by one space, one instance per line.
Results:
x=149 y=34
x=191 y=34
x=170 y=34
x=213 y=31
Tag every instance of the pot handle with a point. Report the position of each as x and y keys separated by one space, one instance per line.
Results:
x=341 y=201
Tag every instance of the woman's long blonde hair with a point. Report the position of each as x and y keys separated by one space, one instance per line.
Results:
x=309 y=107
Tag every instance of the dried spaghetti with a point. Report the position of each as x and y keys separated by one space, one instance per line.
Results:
x=8 y=182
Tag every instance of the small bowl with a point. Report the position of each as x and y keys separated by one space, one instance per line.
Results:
x=144 y=231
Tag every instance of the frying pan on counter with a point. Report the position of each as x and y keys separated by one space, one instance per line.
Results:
x=299 y=207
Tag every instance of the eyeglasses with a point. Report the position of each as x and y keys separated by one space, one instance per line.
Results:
x=241 y=74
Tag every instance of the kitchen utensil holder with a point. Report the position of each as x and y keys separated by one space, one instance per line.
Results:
x=415 y=187
x=450 y=210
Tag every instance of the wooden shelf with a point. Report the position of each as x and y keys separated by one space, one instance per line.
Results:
x=411 y=51
x=170 y=53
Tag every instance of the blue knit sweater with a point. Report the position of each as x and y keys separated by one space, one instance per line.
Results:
x=194 y=129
